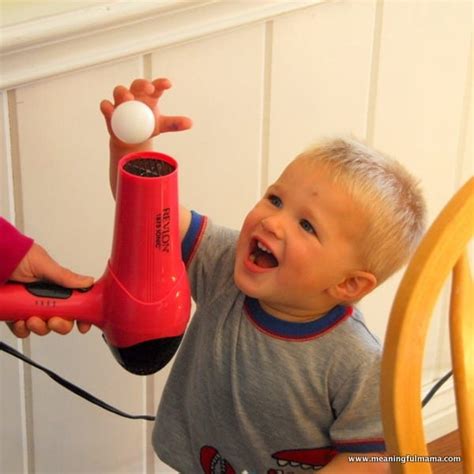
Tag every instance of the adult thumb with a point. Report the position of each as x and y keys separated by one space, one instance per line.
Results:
x=64 y=277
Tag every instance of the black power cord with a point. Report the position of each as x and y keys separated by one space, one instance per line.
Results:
x=96 y=401
x=435 y=388
x=70 y=386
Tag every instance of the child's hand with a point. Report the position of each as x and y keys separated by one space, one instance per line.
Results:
x=148 y=93
x=38 y=265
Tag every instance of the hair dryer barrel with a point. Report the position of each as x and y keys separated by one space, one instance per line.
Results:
x=146 y=252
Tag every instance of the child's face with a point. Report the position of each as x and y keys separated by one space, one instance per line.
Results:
x=311 y=227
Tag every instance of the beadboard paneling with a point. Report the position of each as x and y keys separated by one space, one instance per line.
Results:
x=13 y=446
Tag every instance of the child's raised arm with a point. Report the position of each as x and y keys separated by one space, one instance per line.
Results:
x=149 y=93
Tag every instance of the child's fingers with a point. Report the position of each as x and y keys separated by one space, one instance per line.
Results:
x=160 y=85
x=107 y=109
x=174 y=124
x=141 y=87
x=122 y=94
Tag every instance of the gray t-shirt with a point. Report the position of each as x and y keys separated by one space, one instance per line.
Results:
x=250 y=392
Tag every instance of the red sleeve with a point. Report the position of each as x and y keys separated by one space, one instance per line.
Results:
x=13 y=247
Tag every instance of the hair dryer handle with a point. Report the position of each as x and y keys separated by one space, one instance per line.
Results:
x=20 y=301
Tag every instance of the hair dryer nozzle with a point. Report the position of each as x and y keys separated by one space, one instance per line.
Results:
x=146 y=357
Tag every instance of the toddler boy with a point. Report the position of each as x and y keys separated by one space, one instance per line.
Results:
x=277 y=372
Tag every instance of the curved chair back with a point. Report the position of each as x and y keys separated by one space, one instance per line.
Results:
x=442 y=250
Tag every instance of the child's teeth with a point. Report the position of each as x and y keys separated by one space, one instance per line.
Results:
x=262 y=247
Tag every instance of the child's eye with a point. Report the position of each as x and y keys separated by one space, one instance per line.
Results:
x=275 y=200
x=307 y=227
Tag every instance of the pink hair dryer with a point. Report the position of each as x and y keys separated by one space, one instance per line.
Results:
x=142 y=302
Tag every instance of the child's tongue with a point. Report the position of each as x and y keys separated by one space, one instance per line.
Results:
x=265 y=260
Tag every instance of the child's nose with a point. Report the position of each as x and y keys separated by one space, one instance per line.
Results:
x=273 y=225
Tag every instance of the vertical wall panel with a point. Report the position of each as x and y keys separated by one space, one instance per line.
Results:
x=467 y=167
x=218 y=82
x=68 y=208
x=423 y=68
x=12 y=427
x=12 y=422
x=320 y=79
x=4 y=138
x=419 y=106
x=464 y=170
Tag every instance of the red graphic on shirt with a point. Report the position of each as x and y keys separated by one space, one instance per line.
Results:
x=315 y=458
x=213 y=463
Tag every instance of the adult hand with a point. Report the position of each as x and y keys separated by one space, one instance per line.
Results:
x=36 y=265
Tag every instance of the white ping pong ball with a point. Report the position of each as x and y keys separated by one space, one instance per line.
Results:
x=133 y=122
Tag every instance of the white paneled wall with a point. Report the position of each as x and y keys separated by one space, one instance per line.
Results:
x=395 y=73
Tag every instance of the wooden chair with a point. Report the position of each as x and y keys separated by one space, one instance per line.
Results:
x=442 y=250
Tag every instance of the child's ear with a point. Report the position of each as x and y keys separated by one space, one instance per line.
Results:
x=354 y=287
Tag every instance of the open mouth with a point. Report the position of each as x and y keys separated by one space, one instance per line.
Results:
x=261 y=255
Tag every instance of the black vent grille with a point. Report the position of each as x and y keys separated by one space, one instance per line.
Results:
x=148 y=167
x=146 y=357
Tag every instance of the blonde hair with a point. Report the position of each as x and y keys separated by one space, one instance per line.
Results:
x=389 y=196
